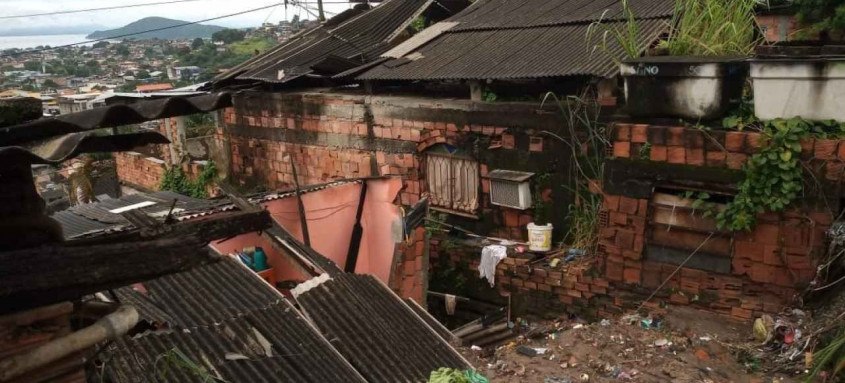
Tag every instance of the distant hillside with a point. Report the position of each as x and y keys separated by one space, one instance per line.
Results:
x=187 y=32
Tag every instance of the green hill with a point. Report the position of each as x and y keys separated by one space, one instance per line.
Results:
x=186 y=32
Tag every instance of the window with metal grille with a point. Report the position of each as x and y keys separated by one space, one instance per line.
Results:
x=452 y=179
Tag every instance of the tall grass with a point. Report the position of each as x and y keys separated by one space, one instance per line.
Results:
x=604 y=34
x=587 y=144
x=712 y=28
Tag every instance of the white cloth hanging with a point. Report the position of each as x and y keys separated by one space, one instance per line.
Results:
x=491 y=255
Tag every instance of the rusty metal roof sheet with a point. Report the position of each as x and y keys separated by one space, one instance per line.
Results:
x=360 y=38
x=521 y=39
x=374 y=329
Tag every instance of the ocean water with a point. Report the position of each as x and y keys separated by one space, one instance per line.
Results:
x=8 y=42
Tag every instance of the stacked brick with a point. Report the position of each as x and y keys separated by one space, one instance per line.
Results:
x=336 y=125
x=769 y=265
x=410 y=274
x=137 y=170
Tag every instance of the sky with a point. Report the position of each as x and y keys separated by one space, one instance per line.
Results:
x=188 y=11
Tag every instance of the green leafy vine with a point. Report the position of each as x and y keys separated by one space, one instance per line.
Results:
x=773 y=176
x=175 y=180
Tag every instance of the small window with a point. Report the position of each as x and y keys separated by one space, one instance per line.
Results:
x=452 y=179
x=680 y=224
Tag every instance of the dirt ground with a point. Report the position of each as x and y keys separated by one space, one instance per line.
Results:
x=687 y=346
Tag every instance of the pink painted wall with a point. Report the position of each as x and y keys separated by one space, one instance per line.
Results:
x=282 y=268
x=375 y=256
x=331 y=215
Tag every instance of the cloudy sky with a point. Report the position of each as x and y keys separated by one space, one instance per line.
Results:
x=189 y=11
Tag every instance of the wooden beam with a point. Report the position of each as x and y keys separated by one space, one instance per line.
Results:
x=45 y=275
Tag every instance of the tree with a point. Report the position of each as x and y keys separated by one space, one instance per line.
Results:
x=122 y=50
x=142 y=74
x=149 y=53
x=49 y=84
x=823 y=15
x=228 y=36
x=32 y=65
x=197 y=43
x=101 y=44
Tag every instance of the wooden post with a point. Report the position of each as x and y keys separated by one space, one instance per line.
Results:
x=476 y=90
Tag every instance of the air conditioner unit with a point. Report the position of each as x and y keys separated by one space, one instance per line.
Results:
x=510 y=188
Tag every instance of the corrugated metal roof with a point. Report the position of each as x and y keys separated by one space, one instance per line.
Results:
x=360 y=39
x=61 y=148
x=379 y=334
x=520 y=39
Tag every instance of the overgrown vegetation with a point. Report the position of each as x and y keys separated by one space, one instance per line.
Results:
x=822 y=16
x=830 y=357
x=175 y=180
x=174 y=361
x=626 y=37
x=587 y=143
x=712 y=28
x=199 y=125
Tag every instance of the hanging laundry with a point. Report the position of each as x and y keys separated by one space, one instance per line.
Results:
x=451 y=302
x=491 y=255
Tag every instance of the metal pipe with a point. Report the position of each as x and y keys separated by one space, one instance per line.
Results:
x=109 y=327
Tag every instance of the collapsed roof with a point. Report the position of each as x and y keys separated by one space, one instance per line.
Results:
x=521 y=39
x=237 y=328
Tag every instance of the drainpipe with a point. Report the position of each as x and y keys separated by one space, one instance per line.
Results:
x=109 y=327
x=357 y=233
x=306 y=238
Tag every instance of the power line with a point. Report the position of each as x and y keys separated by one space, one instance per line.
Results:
x=94 y=9
x=141 y=32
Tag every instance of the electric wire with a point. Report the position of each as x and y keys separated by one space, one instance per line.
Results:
x=95 y=9
x=7 y=54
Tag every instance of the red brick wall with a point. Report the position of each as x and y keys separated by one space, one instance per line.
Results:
x=769 y=265
x=135 y=169
x=410 y=276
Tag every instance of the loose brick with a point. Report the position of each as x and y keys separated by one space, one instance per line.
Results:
x=658 y=153
x=677 y=155
x=623 y=131
x=695 y=157
x=716 y=158
x=621 y=149
x=825 y=149
x=625 y=239
x=631 y=276
x=734 y=141
x=639 y=133
x=628 y=205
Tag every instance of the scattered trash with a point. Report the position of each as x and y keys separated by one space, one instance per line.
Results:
x=650 y=323
x=554 y=262
x=663 y=342
x=556 y=379
x=475 y=348
x=235 y=356
x=585 y=377
x=531 y=351
x=605 y=322
x=763 y=327
x=453 y=375
x=577 y=326
x=705 y=338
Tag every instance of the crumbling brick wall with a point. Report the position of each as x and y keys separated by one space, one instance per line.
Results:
x=140 y=171
x=330 y=136
x=768 y=266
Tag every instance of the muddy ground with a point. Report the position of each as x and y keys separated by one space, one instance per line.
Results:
x=688 y=346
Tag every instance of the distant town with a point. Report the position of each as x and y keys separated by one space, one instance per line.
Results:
x=75 y=78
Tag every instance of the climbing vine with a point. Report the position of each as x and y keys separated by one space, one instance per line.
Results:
x=175 y=180
x=773 y=176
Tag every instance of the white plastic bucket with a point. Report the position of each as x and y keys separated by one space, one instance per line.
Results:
x=540 y=237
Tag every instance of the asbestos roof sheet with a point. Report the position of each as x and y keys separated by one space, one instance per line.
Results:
x=522 y=39
x=374 y=329
x=61 y=148
x=110 y=116
x=362 y=36
x=201 y=296
x=96 y=218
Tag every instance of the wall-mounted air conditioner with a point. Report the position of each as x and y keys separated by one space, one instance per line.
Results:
x=510 y=188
